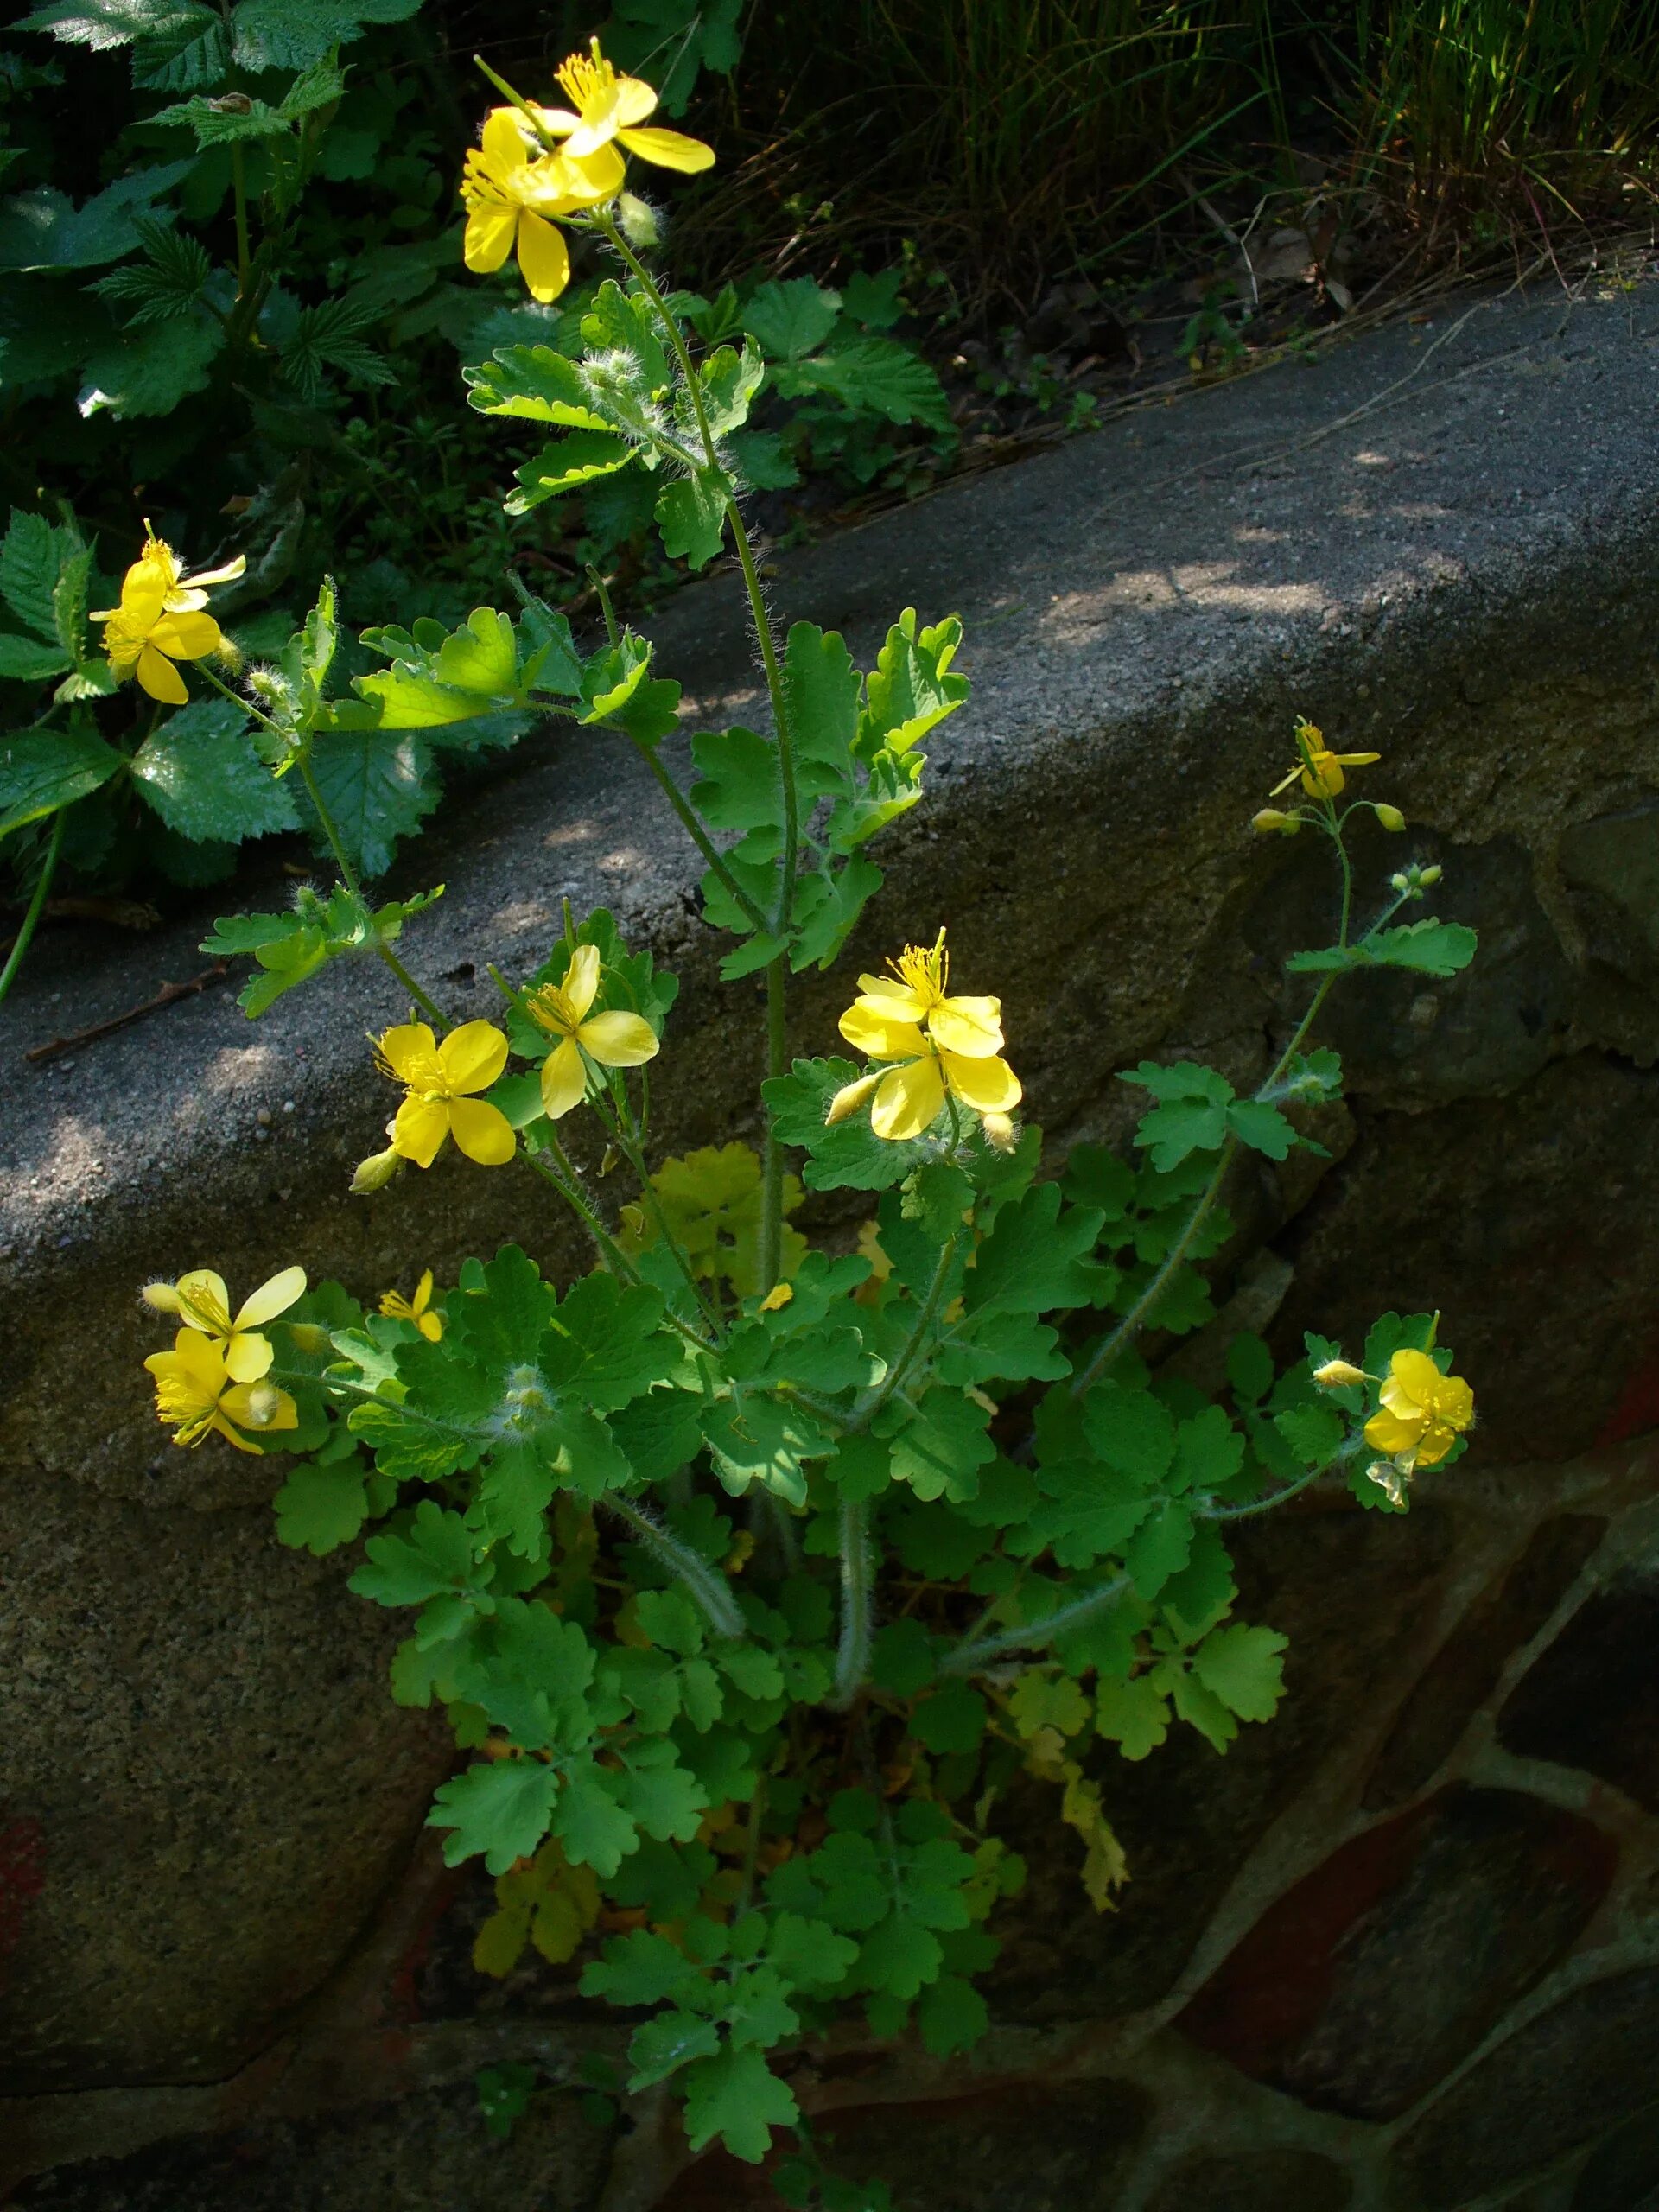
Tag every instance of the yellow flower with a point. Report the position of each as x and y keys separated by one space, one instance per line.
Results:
x=510 y=193
x=940 y=1045
x=160 y=620
x=197 y=1396
x=1423 y=1412
x=202 y=1303
x=615 y=1041
x=441 y=1079
x=396 y=1307
x=610 y=108
x=1319 y=768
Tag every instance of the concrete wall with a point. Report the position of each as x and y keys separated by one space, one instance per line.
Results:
x=1398 y=1948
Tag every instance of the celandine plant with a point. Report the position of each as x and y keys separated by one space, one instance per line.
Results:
x=752 y=1575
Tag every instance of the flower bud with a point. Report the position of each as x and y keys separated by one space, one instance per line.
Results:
x=1400 y=881
x=1430 y=874
x=264 y=1404
x=999 y=1132
x=1390 y=816
x=1271 y=818
x=638 y=222
x=309 y=1337
x=374 y=1173
x=848 y=1100
x=1336 y=1374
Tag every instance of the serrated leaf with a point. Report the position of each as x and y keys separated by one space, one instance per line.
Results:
x=32 y=557
x=581 y=458
x=200 y=771
x=378 y=785
x=45 y=229
x=790 y=319
x=691 y=515
x=44 y=770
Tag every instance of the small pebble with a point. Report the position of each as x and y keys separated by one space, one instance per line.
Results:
x=264 y=1117
x=262 y=1136
x=288 y=1105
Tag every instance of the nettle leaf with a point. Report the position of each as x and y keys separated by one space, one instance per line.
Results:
x=581 y=458
x=788 y=320
x=104 y=25
x=201 y=773
x=151 y=368
x=501 y=1811
x=32 y=558
x=872 y=376
x=295 y=33
x=44 y=770
x=849 y=1157
x=379 y=785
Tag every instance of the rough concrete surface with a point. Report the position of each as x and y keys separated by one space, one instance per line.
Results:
x=1443 y=543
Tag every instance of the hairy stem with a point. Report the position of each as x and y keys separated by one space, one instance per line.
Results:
x=981 y=1651
x=710 y=1589
x=857 y=1610
x=771 y=1165
x=36 y=904
x=1129 y=1326
x=912 y=1344
x=692 y=825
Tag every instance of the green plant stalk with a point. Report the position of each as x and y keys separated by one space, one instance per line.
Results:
x=979 y=1651
x=428 y=1005
x=627 y=1142
x=857 y=1607
x=239 y=190
x=699 y=836
x=710 y=1591
x=36 y=904
x=901 y=1366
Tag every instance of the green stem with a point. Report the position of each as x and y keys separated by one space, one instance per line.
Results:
x=244 y=251
x=627 y=1140
x=751 y=1842
x=699 y=836
x=610 y=1252
x=968 y=1658
x=36 y=904
x=711 y=1590
x=771 y=1164
x=857 y=1610
x=422 y=999
x=1130 y=1325
x=912 y=1344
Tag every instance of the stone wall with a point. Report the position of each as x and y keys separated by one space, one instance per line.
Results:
x=1397 y=1950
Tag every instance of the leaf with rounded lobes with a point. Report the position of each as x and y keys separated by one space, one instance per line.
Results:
x=640 y=1968
x=691 y=515
x=828 y=904
x=952 y=2016
x=501 y=1809
x=532 y=1676
x=319 y=1509
x=1134 y=1715
x=911 y=688
x=1161 y=1547
x=851 y=1156
x=431 y=1554
x=1132 y=1431
x=1209 y=1452
x=662 y=2046
x=607 y=1347
x=730 y=381
x=821 y=693
x=619 y=322
x=766 y=1440
x=534 y=384
x=736 y=2096
x=1242 y=1667
x=939 y=1449
x=594 y=1829
x=740 y=787
x=43 y=770
x=1035 y=1258
x=617 y=688
x=581 y=458
x=658 y=1793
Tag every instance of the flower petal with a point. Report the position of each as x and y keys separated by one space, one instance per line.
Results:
x=482 y=1131
x=219 y=1427
x=908 y=1099
x=1413 y=1383
x=420 y=1130
x=1392 y=1433
x=581 y=984
x=882 y=995
x=490 y=231
x=634 y=100
x=1454 y=1402
x=472 y=1056
x=272 y=1298
x=971 y=1026
x=411 y=1051
x=204 y=1301
x=247 y=1357
x=883 y=1036
x=564 y=1080
x=157 y=675
x=988 y=1086
x=543 y=258
x=669 y=150
x=620 y=1040
x=503 y=141
x=186 y=636
x=227 y=574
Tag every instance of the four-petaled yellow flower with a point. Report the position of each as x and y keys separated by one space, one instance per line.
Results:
x=615 y=1040
x=202 y=1303
x=441 y=1079
x=160 y=620
x=1319 y=768
x=609 y=109
x=938 y=1046
x=418 y=1309
x=1423 y=1412
x=512 y=194
x=197 y=1396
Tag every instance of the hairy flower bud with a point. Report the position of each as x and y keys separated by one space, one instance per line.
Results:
x=374 y=1173
x=309 y=1337
x=638 y=222
x=1390 y=816
x=1337 y=1373
x=999 y=1132
x=1270 y=818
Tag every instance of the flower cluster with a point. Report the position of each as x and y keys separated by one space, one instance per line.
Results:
x=212 y=1382
x=1322 y=775
x=539 y=167
x=934 y=1047
x=1421 y=1415
x=160 y=620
